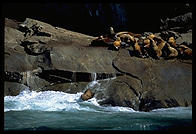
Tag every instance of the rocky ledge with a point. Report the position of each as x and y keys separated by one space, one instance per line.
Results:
x=43 y=57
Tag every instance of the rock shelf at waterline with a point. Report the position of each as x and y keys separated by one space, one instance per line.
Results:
x=62 y=60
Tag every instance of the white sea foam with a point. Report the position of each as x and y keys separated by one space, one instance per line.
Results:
x=45 y=101
x=54 y=101
x=119 y=109
x=60 y=101
x=172 y=109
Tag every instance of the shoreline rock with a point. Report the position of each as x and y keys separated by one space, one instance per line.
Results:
x=67 y=62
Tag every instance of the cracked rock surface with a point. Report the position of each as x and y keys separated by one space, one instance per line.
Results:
x=43 y=57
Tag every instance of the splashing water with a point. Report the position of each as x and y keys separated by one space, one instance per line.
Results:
x=54 y=101
x=55 y=110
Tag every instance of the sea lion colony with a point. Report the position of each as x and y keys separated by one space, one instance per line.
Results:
x=144 y=45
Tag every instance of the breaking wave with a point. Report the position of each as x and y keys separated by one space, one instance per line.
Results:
x=55 y=101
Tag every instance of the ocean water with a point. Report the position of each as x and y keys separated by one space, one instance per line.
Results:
x=54 y=110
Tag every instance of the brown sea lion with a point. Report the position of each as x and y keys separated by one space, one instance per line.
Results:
x=126 y=38
x=88 y=94
x=137 y=49
x=173 y=51
x=158 y=44
x=172 y=42
x=146 y=43
x=117 y=43
x=184 y=50
x=130 y=33
x=112 y=30
x=157 y=52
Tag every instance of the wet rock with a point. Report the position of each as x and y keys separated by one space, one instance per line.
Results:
x=12 y=23
x=186 y=39
x=13 y=88
x=65 y=62
x=121 y=91
x=72 y=88
x=149 y=84
x=181 y=23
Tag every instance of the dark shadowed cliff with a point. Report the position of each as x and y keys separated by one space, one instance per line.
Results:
x=95 y=18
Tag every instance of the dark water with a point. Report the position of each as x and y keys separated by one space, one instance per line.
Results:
x=52 y=110
x=63 y=120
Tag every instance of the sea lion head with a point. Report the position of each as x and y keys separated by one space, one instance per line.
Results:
x=88 y=94
x=111 y=30
x=151 y=36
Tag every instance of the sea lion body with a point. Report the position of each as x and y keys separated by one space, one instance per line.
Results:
x=117 y=43
x=156 y=51
x=173 y=51
x=184 y=50
x=172 y=42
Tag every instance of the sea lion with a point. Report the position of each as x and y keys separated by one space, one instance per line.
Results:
x=184 y=50
x=158 y=45
x=102 y=41
x=172 y=42
x=146 y=43
x=155 y=49
x=126 y=38
x=112 y=31
x=130 y=33
x=142 y=42
x=160 y=42
x=137 y=49
x=151 y=36
x=173 y=51
x=88 y=94
x=117 y=43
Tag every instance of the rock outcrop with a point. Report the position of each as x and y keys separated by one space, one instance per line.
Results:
x=45 y=57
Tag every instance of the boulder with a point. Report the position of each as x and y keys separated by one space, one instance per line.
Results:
x=181 y=23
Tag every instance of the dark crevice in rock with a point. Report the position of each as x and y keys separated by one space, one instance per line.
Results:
x=186 y=104
x=101 y=76
x=126 y=73
x=61 y=76
x=24 y=30
x=81 y=77
x=129 y=103
x=148 y=104
x=13 y=76
x=37 y=31
x=25 y=43
x=55 y=76
x=42 y=34
x=41 y=42
x=43 y=51
x=172 y=102
x=47 y=58
x=27 y=50
x=6 y=53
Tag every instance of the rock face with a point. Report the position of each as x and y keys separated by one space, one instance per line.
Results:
x=44 y=57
